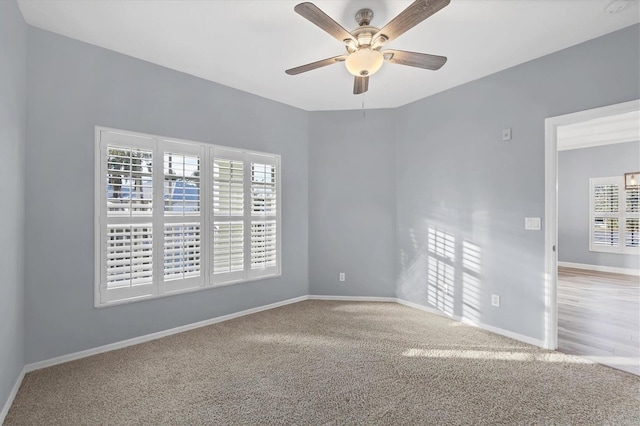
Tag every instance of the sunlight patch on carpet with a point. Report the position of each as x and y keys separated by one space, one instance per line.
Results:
x=494 y=355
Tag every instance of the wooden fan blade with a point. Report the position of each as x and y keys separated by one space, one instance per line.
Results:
x=311 y=12
x=360 y=85
x=420 y=60
x=315 y=65
x=417 y=12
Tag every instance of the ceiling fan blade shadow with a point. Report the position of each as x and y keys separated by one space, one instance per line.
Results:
x=417 y=12
x=315 y=65
x=360 y=85
x=311 y=12
x=413 y=59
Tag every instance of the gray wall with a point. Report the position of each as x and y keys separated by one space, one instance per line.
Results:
x=455 y=174
x=13 y=63
x=575 y=168
x=359 y=193
x=352 y=203
x=72 y=87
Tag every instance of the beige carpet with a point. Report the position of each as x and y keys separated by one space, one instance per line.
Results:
x=319 y=362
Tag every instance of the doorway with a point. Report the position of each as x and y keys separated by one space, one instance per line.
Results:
x=562 y=131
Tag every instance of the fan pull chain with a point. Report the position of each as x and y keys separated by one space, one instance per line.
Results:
x=364 y=114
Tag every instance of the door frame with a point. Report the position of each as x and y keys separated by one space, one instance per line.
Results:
x=551 y=205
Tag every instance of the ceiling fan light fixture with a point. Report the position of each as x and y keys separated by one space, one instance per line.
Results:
x=364 y=62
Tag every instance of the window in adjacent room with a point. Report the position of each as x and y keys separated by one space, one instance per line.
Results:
x=614 y=216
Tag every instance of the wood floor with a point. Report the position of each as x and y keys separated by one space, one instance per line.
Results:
x=599 y=317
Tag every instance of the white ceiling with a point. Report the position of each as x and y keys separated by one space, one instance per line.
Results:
x=248 y=44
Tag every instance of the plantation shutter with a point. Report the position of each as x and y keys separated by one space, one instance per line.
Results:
x=126 y=205
x=632 y=219
x=615 y=216
x=175 y=216
x=605 y=223
x=182 y=216
x=228 y=209
x=263 y=203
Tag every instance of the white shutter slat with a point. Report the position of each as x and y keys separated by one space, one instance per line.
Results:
x=263 y=244
x=632 y=202
x=632 y=221
x=607 y=207
x=181 y=250
x=228 y=187
x=606 y=232
x=129 y=250
x=606 y=198
x=228 y=247
x=632 y=233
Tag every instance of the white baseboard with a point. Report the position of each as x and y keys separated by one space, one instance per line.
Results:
x=118 y=345
x=600 y=268
x=12 y=395
x=496 y=330
x=353 y=298
x=507 y=333
x=153 y=336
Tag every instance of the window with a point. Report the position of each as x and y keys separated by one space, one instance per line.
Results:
x=615 y=216
x=175 y=216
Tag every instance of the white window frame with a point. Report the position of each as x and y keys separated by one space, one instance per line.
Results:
x=621 y=215
x=160 y=287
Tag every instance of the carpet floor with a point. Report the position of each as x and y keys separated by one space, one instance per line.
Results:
x=323 y=362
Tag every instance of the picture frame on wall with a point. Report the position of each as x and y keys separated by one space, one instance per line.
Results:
x=631 y=180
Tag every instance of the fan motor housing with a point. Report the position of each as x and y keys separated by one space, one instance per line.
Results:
x=364 y=34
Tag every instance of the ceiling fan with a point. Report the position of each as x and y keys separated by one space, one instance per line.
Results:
x=364 y=45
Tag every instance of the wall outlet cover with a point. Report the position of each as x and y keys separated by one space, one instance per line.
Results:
x=495 y=300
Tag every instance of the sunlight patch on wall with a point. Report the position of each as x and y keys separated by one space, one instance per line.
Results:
x=471 y=297
x=471 y=282
x=441 y=271
x=471 y=258
x=442 y=243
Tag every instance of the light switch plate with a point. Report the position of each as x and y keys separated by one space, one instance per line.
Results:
x=506 y=134
x=532 y=223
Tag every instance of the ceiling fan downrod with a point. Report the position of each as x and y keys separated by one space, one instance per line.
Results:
x=364 y=17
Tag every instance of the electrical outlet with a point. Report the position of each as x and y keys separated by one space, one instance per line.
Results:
x=495 y=300
x=342 y=276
